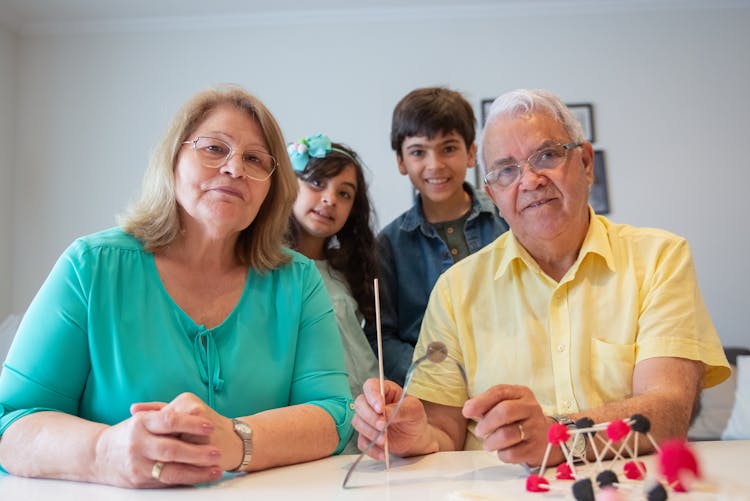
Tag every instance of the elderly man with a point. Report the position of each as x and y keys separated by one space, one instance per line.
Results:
x=568 y=315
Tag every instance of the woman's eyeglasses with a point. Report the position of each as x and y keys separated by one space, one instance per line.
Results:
x=214 y=153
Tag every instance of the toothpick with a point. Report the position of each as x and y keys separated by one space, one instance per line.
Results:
x=380 y=365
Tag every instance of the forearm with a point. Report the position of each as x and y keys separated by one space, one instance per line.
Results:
x=668 y=418
x=445 y=430
x=432 y=440
x=665 y=392
x=51 y=445
x=291 y=435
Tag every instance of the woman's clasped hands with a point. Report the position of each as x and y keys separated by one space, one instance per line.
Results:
x=182 y=442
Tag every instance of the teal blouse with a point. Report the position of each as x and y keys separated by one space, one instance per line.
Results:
x=103 y=333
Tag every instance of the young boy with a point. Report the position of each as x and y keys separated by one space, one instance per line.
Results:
x=432 y=133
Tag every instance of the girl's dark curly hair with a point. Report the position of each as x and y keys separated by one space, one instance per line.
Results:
x=355 y=256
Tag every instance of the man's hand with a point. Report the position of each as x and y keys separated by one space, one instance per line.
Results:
x=510 y=421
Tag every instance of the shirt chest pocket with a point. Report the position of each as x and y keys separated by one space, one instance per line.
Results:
x=612 y=369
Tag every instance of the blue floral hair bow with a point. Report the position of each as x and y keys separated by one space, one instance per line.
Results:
x=316 y=146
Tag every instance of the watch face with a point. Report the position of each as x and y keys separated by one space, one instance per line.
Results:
x=242 y=428
x=578 y=445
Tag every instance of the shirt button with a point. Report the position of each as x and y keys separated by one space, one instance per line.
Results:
x=449 y=230
x=454 y=251
x=561 y=348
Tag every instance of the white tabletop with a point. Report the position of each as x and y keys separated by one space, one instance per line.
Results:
x=445 y=476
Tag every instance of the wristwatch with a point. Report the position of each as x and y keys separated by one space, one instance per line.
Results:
x=243 y=430
x=576 y=444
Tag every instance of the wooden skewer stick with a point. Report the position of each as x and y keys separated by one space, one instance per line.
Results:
x=380 y=365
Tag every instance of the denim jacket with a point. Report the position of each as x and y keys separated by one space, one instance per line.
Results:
x=411 y=258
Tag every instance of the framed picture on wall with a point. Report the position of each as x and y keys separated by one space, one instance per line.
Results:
x=486 y=104
x=484 y=111
x=584 y=113
x=599 y=195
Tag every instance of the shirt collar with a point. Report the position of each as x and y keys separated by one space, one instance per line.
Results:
x=596 y=242
x=414 y=217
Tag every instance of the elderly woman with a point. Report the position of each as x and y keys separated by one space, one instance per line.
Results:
x=188 y=341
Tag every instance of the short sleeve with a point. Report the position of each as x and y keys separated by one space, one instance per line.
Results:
x=440 y=383
x=674 y=319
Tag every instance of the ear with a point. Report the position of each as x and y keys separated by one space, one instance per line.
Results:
x=587 y=158
x=401 y=166
x=471 y=160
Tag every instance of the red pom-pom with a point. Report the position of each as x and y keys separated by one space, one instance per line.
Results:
x=536 y=483
x=564 y=472
x=617 y=430
x=677 y=461
x=633 y=470
x=557 y=434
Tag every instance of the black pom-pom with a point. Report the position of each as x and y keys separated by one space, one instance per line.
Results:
x=583 y=490
x=584 y=422
x=606 y=477
x=641 y=424
x=657 y=493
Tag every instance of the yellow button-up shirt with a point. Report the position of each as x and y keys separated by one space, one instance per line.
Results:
x=632 y=294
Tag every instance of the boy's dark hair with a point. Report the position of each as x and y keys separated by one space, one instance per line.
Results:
x=354 y=256
x=430 y=110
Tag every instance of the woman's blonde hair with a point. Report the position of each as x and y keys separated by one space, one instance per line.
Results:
x=153 y=217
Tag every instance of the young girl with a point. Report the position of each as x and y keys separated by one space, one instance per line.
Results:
x=330 y=224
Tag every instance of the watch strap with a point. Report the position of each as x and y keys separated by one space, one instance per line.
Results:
x=245 y=432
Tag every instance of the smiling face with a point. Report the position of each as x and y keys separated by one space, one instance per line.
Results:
x=546 y=208
x=437 y=167
x=323 y=205
x=220 y=201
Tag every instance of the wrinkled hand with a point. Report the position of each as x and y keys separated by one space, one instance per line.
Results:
x=501 y=413
x=127 y=451
x=222 y=436
x=405 y=433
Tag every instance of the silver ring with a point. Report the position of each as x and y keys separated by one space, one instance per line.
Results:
x=521 y=432
x=156 y=470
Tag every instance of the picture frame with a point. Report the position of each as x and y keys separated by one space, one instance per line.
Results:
x=584 y=113
x=599 y=194
x=486 y=104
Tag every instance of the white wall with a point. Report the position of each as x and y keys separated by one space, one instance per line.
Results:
x=669 y=90
x=8 y=73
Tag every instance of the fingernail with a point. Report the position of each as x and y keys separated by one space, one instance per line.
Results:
x=214 y=453
x=215 y=473
x=207 y=427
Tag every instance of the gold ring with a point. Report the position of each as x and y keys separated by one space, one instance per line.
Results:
x=521 y=432
x=156 y=470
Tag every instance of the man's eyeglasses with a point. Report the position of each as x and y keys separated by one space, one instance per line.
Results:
x=213 y=153
x=548 y=157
